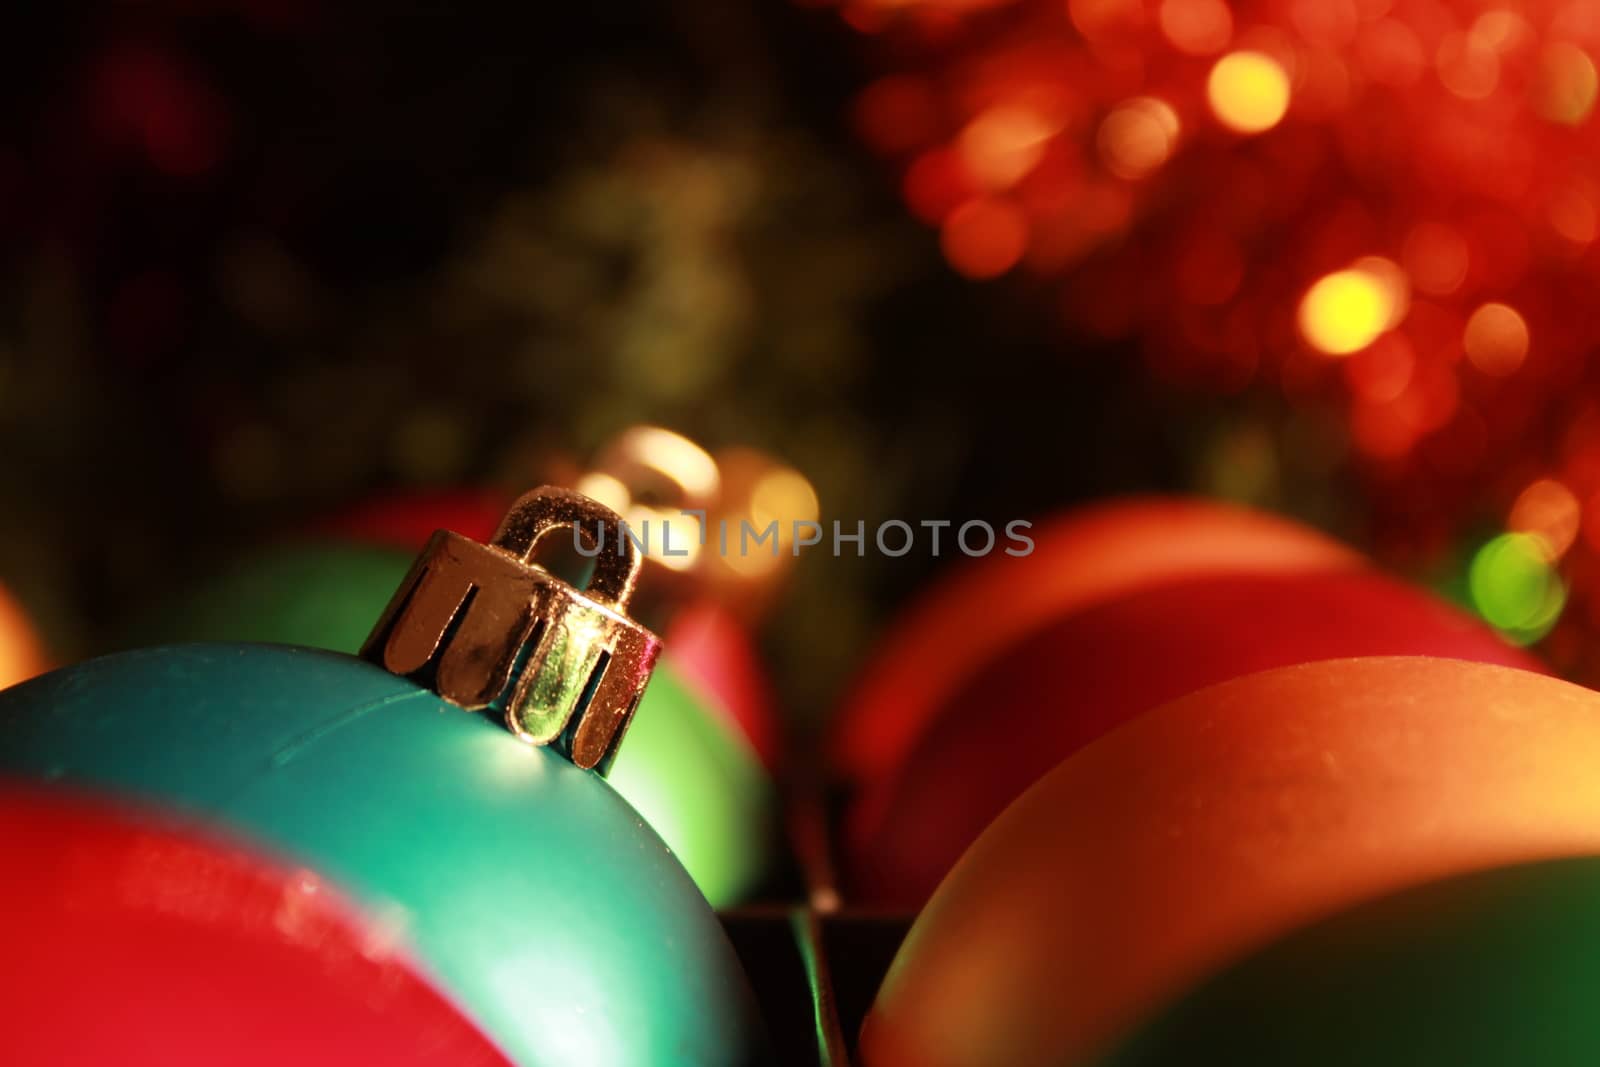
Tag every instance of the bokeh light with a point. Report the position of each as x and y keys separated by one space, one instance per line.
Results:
x=984 y=238
x=1347 y=310
x=1515 y=588
x=1248 y=91
x=1450 y=143
x=1198 y=27
x=1564 y=88
x=1550 y=511
x=1138 y=136
x=1003 y=144
x=1496 y=339
x=783 y=496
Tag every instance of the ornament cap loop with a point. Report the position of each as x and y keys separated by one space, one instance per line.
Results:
x=547 y=509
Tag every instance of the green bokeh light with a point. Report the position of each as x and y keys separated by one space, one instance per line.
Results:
x=1515 y=587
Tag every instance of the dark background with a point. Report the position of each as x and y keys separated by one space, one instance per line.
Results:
x=265 y=258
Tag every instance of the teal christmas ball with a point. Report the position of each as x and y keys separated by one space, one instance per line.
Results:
x=533 y=894
x=1487 y=969
x=699 y=784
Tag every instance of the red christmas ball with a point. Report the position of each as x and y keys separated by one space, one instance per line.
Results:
x=131 y=939
x=1095 y=669
x=407 y=520
x=975 y=615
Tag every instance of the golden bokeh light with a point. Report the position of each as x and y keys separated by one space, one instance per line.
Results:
x=1138 y=136
x=1248 y=91
x=1496 y=339
x=1394 y=282
x=784 y=496
x=1347 y=310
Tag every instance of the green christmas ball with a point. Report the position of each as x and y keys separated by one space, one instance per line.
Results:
x=698 y=783
x=1482 y=970
x=528 y=888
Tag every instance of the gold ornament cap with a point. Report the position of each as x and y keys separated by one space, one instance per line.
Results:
x=485 y=626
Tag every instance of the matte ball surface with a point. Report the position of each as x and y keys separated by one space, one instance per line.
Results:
x=132 y=939
x=1489 y=969
x=691 y=776
x=968 y=618
x=715 y=652
x=1207 y=827
x=1091 y=671
x=537 y=897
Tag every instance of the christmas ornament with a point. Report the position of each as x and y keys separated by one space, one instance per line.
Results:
x=693 y=780
x=323 y=594
x=968 y=619
x=1485 y=969
x=533 y=891
x=1094 y=669
x=675 y=497
x=1207 y=827
x=22 y=654
x=184 y=947
x=1385 y=212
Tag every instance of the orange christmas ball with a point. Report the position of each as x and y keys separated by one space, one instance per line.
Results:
x=1086 y=557
x=1209 y=826
x=22 y=654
